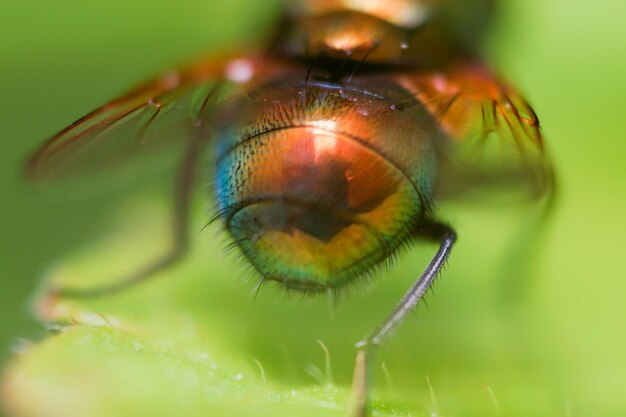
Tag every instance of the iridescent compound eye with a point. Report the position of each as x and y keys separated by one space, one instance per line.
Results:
x=321 y=187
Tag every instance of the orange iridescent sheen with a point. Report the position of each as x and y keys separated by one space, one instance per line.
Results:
x=406 y=13
x=431 y=31
x=463 y=89
x=320 y=189
x=347 y=34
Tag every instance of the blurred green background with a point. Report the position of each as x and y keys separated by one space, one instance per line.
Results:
x=556 y=348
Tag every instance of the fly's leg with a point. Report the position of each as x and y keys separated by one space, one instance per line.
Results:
x=366 y=348
x=180 y=235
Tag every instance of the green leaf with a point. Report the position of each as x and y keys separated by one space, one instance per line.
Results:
x=191 y=341
x=159 y=349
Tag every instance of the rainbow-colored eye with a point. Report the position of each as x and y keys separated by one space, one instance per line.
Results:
x=322 y=188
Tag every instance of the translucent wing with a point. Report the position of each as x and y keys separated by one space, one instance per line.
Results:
x=170 y=109
x=496 y=142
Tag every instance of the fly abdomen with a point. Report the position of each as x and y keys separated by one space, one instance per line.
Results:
x=320 y=186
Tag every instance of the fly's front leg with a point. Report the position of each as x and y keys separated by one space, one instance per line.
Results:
x=180 y=234
x=366 y=348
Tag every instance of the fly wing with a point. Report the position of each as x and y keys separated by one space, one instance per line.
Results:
x=495 y=142
x=170 y=109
